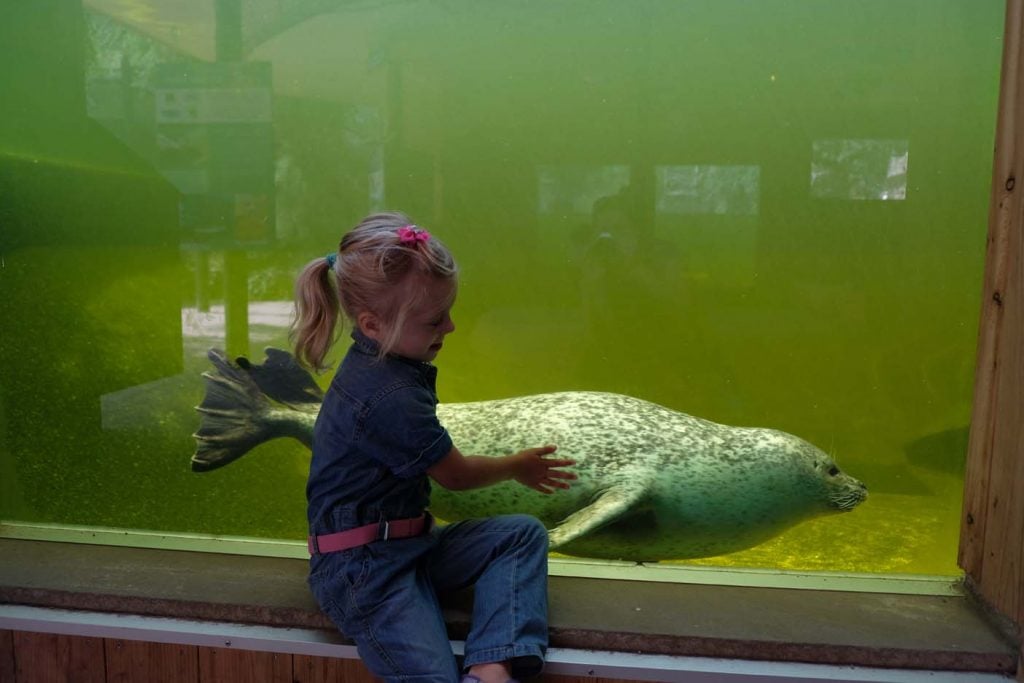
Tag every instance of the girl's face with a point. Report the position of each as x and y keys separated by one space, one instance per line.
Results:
x=429 y=321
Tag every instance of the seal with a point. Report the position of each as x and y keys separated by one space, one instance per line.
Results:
x=654 y=483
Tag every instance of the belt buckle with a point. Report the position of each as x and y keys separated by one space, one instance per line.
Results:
x=387 y=530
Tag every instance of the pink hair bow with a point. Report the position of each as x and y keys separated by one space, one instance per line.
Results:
x=410 y=234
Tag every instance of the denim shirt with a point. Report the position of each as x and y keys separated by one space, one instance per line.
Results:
x=376 y=436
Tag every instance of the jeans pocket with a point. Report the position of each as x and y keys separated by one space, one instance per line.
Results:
x=323 y=584
x=336 y=580
x=357 y=568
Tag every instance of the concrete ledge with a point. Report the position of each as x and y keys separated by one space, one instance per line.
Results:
x=787 y=625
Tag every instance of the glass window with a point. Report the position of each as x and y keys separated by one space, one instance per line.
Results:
x=766 y=215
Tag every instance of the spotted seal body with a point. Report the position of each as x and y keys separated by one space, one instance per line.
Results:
x=654 y=483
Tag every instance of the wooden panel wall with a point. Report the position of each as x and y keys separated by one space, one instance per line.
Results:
x=127 y=661
x=6 y=656
x=992 y=525
x=52 y=658
x=49 y=658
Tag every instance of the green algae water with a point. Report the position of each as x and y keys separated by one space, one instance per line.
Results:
x=764 y=214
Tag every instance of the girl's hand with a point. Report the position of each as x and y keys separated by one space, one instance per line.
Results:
x=540 y=473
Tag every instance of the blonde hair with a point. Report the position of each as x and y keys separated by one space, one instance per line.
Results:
x=371 y=270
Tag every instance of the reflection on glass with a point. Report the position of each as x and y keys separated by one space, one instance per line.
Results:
x=860 y=169
x=574 y=189
x=708 y=189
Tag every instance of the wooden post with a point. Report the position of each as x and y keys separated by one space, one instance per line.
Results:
x=992 y=522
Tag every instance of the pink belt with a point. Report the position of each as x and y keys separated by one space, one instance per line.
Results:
x=384 y=530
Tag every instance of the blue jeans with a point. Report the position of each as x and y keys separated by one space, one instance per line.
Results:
x=383 y=595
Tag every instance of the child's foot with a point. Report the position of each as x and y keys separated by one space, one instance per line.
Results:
x=489 y=672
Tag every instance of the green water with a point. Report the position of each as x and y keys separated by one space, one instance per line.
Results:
x=762 y=213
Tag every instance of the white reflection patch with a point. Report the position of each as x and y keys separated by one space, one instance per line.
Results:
x=860 y=169
x=267 y=320
x=573 y=189
x=709 y=189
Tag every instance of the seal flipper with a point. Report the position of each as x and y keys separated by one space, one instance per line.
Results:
x=608 y=506
x=233 y=415
x=282 y=379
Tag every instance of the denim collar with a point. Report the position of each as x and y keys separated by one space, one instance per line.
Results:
x=370 y=347
x=364 y=343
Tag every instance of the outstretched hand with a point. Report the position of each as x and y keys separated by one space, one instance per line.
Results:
x=541 y=473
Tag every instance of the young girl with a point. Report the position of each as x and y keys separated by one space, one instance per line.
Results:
x=377 y=565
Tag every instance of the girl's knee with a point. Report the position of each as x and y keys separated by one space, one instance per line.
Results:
x=531 y=530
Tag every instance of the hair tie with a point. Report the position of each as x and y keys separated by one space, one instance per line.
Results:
x=411 y=234
x=331 y=259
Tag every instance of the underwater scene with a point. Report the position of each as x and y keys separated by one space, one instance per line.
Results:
x=730 y=252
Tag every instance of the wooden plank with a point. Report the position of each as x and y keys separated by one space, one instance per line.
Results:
x=1002 y=570
x=332 y=670
x=130 y=660
x=6 y=655
x=987 y=368
x=226 y=665
x=306 y=669
x=52 y=658
x=992 y=523
x=547 y=678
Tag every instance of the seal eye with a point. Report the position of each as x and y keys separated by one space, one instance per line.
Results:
x=833 y=471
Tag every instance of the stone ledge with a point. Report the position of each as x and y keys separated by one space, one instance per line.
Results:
x=789 y=625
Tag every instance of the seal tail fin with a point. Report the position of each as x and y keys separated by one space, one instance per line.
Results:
x=232 y=415
x=282 y=379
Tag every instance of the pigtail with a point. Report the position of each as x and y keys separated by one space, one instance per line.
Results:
x=314 y=329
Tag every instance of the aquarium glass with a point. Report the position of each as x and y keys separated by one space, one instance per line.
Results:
x=767 y=214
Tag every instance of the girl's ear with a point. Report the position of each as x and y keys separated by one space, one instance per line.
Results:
x=369 y=325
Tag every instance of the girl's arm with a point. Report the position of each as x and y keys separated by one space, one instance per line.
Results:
x=458 y=472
